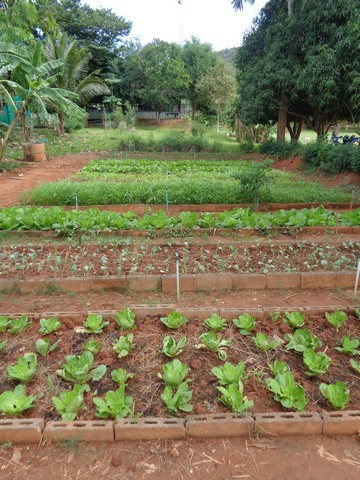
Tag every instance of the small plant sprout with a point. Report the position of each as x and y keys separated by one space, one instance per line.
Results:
x=337 y=318
x=337 y=394
x=92 y=345
x=123 y=345
x=301 y=340
x=120 y=376
x=19 y=325
x=355 y=365
x=294 y=319
x=229 y=373
x=233 y=397
x=4 y=323
x=178 y=399
x=24 y=370
x=78 y=369
x=115 y=405
x=357 y=312
x=174 y=320
x=214 y=343
x=245 y=323
x=171 y=348
x=286 y=391
x=126 y=319
x=279 y=367
x=44 y=347
x=94 y=323
x=15 y=402
x=349 y=346
x=263 y=342
x=2 y=345
x=68 y=404
x=174 y=373
x=49 y=325
x=316 y=363
x=215 y=322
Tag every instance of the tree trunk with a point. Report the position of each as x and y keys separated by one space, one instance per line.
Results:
x=295 y=128
x=218 y=123
x=193 y=109
x=282 y=121
x=5 y=140
x=61 y=117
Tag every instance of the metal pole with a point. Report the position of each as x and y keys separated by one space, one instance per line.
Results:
x=357 y=279
x=76 y=201
x=177 y=276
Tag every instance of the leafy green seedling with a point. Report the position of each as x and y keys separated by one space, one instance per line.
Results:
x=94 y=323
x=120 y=376
x=19 y=325
x=355 y=365
x=215 y=322
x=357 y=312
x=92 y=345
x=214 y=343
x=49 y=325
x=294 y=319
x=174 y=373
x=178 y=399
x=337 y=318
x=233 y=397
x=279 y=367
x=24 y=370
x=2 y=345
x=286 y=391
x=70 y=403
x=229 y=373
x=123 y=345
x=337 y=394
x=4 y=323
x=126 y=319
x=15 y=402
x=77 y=369
x=349 y=346
x=171 y=348
x=316 y=363
x=115 y=405
x=245 y=323
x=301 y=340
x=263 y=342
x=174 y=320
x=44 y=347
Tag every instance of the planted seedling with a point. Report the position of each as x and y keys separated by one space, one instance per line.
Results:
x=2 y=345
x=301 y=340
x=174 y=320
x=4 y=323
x=245 y=323
x=44 y=347
x=123 y=345
x=120 y=376
x=177 y=399
x=233 y=397
x=92 y=346
x=357 y=312
x=77 y=369
x=171 y=348
x=316 y=363
x=337 y=318
x=24 y=370
x=94 y=323
x=337 y=394
x=15 y=402
x=115 y=405
x=294 y=319
x=68 y=404
x=279 y=367
x=215 y=322
x=229 y=373
x=214 y=343
x=349 y=346
x=49 y=325
x=286 y=391
x=19 y=325
x=355 y=365
x=126 y=319
x=174 y=373
x=263 y=342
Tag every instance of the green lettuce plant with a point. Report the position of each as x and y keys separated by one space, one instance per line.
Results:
x=19 y=325
x=44 y=347
x=294 y=319
x=279 y=367
x=214 y=343
x=68 y=404
x=316 y=363
x=92 y=345
x=233 y=397
x=123 y=345
x=4 y=323
x=245 y=323
x=15 y=402
x=229 y=373
x=49 y=325
x=126 y=319
x=24 y=370
x=355 y=365
x=301 y=340
x=2 y=345
x=215 y=322
x=94 y=323
x=337 y=318
x=115 y=405
x=337 y=394
x=171 y=348
x=120 y=376
x=349 y=346
x=286 y=391
x=174 y=373
x=174 y=320
x=78 y=369
x=263 y=342
x=178 y=399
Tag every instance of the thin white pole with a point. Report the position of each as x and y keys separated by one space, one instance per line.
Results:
x=177 y=276
x=357 y=279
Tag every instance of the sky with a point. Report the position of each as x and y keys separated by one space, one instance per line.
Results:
x=211 y=21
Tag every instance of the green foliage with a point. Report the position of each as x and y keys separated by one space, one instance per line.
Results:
x=301 y=340
x=70 y=403
x=229 y=373
x=214 y=343
x=245 y=323
x=24 y=370
x=263 y=342
x=2 y=345
x=279 y=368
x=123 y=345
x=4 y=323
x=316 y=363
x=294 y=319
x=19 y=325
x=177 y=399
x=355 y=365
x=337 y=318
x=349 y=346
x=215 y=322
x=120 y=376
x=254 y=179
x=15 y=402
x=171 y=348
x=233 y=397
x=77 y=369
x=174 y=373
x=125 y=319
x=332 y=159
x=116 y=404
x=49 y=325
x=286 y=391
x=357 y=312
x=337 y=394
x=44 y=347
x=280 y=149
x=174 y=320
x=94 y=323
x=92 y=346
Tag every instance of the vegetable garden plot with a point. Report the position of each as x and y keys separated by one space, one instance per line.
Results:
x=173 y=365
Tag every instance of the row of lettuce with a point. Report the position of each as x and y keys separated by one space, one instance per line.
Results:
x=92 y=219
x=78 y=370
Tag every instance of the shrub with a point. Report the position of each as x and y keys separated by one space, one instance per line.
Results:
x=280 y=149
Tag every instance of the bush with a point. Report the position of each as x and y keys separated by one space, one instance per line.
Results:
x=280 y=149
x=133 y=142
x=254 y=178
x=332 y=159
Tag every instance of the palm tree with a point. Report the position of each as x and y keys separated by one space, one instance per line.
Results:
x=32 y=80
x=73 y=74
